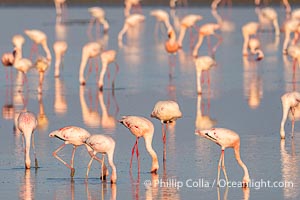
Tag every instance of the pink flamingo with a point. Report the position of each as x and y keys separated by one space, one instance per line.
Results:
x=167 y=112
x=289 y=101
x=38 y=37
x=205 y=31
x=161 y=16
x=285 y=3
x=171 y=46
x=18 y=41
x=129 y=4
x=107 y=57
x=76 y=136
x=22 y=64
x=60 y=48
x=90 y=50
x=60 y=6
x=226 y=139
x=141 y=127
x=291 y=26
x=98 y=15
x=270 y=15
x=104 y=145
x=27 y=123
x=248 y=30
x=130 y=21
x=42 y=65
x=255 y=49
x=187 y=22
x=203 y=63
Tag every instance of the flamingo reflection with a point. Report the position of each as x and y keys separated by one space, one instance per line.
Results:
x=289 y=169
x=203 y=121
x=253 y=89
x=27 y=188
x=42 y=118
x=90 y=116
x=60 y=102
x=113 y=192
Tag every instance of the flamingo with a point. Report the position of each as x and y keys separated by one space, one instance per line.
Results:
x=18 y=41
x=60 y=48
x=167 y=112
x=59 y=6
x=296 y=14
x=76 y=136
x=254 y=46
x=90 y=50
x=41 y=64
x=104 y=145
x=98 y=14
x=291 y=26
x=207 y=30
x=130 y=21
x=187 y=22
x=226 y=139
x=289 y=101
x=38 y=37
x=171 y=45
x=285 y=3
x=107 y=57
x=269 y=14
x=8 y=59
x=22 y=64
x=27 y=123
x=248 y=30
x=129 y=4
x=141 y=127
x=294 y=52
x=203 y=63
x=161 y=16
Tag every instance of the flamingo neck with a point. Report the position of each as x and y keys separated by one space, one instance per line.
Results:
x=110 y=156
x=148 y=143
x=27 y=136
x=240 y=162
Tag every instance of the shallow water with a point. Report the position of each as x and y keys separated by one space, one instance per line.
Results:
x=244 y=95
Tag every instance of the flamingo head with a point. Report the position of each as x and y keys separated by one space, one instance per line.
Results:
x=246 y=181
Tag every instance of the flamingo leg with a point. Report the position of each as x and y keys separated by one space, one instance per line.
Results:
x=58 y=158
x=138 y=155
x=34 y=152
x=100 y=161
x=132 y=152
x=115 y=75
x=89 y=166
x=102 y=169
x=293 y=121
x=219 y=167
x=214 y=49
x=223 y=166
x=72 y=161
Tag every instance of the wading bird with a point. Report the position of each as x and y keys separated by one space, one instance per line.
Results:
x=107 y=57
x=38 y=37
x=76 y=136
x=27 y=123
x=187 y=21
x=289 y=102
x=104 y=145
x=90 y=50
x=130 y=21
x=203 y=63
x=207 y=30
x=141 y=127
x=60 y=48
x=98 y=16
x=248 y=30
x=226 y=138
x=167 y=112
